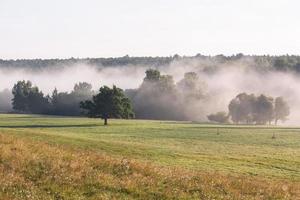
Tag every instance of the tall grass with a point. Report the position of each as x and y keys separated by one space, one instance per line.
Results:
x=37 y=170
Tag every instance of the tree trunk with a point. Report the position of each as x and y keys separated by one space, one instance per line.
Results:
x=276 y=121
x=105 y=121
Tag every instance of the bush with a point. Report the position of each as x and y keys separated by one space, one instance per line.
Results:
x=219 y=117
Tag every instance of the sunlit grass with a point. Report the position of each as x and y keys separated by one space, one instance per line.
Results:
x=165 y=159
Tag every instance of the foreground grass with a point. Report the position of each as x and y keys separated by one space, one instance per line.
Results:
x=79 y=158
x=31 y=170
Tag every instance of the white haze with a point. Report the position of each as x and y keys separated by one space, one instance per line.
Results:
x=221 y=86
x=64 y=78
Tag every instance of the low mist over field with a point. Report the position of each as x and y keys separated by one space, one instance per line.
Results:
x=221 y=79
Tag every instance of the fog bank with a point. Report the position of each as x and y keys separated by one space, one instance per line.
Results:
x=221 y=83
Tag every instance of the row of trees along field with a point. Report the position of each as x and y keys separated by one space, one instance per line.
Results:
x=158 y=97
x=251 y=109
x=108 y=103
x=29 y=99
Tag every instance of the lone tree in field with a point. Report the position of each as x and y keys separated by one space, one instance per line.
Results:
x=108 y=103
x=281 y=109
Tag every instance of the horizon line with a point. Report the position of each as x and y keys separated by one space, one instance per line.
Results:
x=150 y=56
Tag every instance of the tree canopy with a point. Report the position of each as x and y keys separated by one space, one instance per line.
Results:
x=28 y=98
x=262 y=109
x=108 y=103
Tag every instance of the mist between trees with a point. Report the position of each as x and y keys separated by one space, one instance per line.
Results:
x=158 y=97
x=185 y=88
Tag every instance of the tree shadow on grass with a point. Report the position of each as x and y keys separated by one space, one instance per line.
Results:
x=52 y=126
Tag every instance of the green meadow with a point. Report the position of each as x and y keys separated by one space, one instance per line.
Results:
x=268 y=155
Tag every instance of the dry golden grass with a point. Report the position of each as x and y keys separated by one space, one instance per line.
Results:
x=31 y=170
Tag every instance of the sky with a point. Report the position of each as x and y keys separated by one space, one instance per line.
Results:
x=112 y=28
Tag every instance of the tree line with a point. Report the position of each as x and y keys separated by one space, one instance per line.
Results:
x=107 y=103
x=261 y=63
x=29 y=99
x=158 y=97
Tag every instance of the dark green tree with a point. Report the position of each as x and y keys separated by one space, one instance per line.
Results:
x=37 y=102
x=108 y=103
x=21 y=92
x=27 y=98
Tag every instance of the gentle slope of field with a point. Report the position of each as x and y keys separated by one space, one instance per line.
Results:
x=78 y=158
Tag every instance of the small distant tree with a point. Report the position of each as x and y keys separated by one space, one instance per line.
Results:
x=219 y=117
x=82 y=89
x=152 y=75
x=108 y=103
x=281 y=110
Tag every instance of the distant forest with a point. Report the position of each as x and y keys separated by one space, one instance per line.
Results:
x=263 y=63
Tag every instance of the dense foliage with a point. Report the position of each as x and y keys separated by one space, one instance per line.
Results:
x=108 y=103
x=248 y=108
x=29 y=99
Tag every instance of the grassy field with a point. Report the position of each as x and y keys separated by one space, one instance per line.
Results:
x=78 y=158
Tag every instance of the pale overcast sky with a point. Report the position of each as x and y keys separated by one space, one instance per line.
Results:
x=98 y=28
